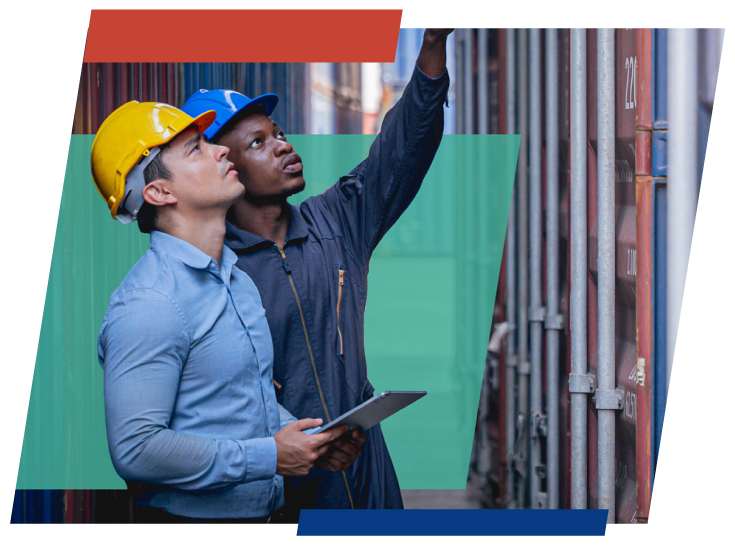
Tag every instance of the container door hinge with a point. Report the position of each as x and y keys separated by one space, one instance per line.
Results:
x=554 y=321
x=581 y=384
x=536 y=314
x=609 y=399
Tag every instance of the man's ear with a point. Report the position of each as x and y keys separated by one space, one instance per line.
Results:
x=158 y=193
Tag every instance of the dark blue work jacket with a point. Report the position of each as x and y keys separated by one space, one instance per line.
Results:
x=314 y=292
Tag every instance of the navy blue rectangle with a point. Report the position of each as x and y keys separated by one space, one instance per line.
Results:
x=452 y=522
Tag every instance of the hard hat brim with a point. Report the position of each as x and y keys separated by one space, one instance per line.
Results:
x=268 y=101
x=228 y=105
x=204 y=120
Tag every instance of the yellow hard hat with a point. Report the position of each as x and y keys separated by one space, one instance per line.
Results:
x=126 y=142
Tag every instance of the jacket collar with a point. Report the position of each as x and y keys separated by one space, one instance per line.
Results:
x=240 y=240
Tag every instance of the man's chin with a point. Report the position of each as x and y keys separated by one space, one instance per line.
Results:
x=278 y=198
x=293 y=190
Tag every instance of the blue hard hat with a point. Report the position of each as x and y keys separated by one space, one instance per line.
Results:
x=226 y=104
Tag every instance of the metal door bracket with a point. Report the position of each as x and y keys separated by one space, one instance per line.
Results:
x=581 y=384
x=554 y=321
x=536 y=314
x=609 y=399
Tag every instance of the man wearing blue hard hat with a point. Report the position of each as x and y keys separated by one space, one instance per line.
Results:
x=310 y=262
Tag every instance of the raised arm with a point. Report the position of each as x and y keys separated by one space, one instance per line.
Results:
x=372 y=197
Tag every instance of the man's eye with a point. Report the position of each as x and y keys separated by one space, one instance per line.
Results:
x=255 y=143
x=280 y=134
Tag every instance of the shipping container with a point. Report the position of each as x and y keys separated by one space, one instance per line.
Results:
x=640 y=135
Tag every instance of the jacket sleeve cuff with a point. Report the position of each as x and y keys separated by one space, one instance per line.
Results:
x=431 y=89
x=261 y=456
x=428 y=78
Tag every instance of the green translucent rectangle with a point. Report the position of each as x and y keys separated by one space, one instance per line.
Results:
x=432 y=285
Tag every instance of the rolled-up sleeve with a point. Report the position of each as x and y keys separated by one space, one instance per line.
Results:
x=284 y=416
x=142 y=347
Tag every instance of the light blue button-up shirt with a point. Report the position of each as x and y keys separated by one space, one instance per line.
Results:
x=189 y=401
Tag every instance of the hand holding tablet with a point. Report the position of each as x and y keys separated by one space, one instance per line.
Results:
x=374 y=410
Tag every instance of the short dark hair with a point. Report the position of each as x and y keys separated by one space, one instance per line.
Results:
x=257 y=109
x=155 y=170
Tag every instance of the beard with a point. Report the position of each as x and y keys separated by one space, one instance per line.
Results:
x=278 y=198
x=297 y=188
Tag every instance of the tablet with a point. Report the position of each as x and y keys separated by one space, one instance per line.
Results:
x=374 y=410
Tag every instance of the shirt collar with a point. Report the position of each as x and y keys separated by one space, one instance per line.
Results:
x=238 y=239
x=188 y=253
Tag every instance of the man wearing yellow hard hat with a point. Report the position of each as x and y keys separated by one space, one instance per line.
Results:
x=193 y=425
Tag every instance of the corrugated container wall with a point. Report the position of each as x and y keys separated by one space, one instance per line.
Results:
x=640 y=174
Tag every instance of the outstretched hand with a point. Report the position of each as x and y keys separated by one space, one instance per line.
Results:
x=432 y=59
x=437 y=34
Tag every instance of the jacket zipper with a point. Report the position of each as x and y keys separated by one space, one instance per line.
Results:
x=311 y=354
x=339 y=300
x=306 y=336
